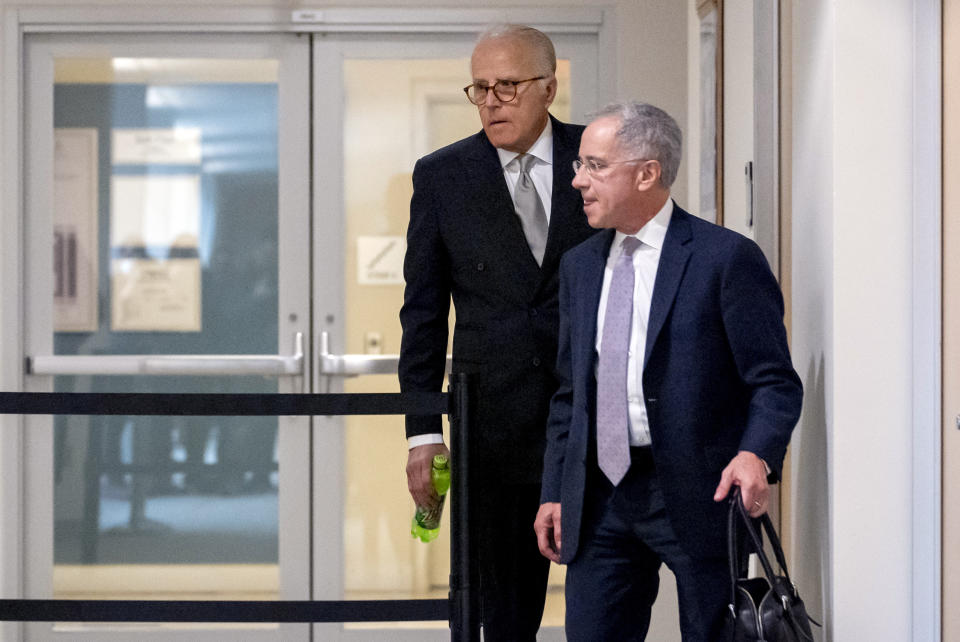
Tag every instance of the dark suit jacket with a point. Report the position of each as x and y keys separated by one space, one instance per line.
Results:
x=717 y=376
x=465 y=240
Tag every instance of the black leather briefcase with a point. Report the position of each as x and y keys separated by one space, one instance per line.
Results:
x=763 y=608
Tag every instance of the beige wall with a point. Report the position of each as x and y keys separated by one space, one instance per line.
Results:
x=951 y=321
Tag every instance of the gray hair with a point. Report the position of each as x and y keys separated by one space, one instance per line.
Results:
x=647 y=132
x=544 y=55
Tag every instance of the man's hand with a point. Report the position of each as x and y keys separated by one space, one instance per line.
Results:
x=747 y=471
x=419 y=463
x=547 y=527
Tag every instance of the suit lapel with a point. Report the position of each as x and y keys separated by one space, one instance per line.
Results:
x=673 y=262
x=501 y=226
x=485 y=178
x=590 y=284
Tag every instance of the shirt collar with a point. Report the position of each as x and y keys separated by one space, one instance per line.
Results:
x=542 y=148
x=654 y=231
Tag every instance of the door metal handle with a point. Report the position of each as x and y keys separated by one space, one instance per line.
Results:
x=173 y=364
x=352 y=365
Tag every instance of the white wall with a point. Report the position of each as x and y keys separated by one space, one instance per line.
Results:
x=812 y=266
x=872 y=314
x=852 y=231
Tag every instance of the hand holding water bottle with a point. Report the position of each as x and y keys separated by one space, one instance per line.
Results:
x=426 y=521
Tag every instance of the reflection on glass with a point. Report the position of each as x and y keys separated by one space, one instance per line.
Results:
x=165 y=243
x=385 y=131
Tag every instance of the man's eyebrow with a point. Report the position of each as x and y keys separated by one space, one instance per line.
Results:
x=483 y=81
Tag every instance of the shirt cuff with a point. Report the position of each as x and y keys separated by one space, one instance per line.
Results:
x=423 y=440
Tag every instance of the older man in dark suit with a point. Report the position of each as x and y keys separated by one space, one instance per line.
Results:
x=676 y=383
x=489 y=219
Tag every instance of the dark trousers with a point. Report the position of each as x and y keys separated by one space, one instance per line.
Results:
x=513 y=574
x=613 y=581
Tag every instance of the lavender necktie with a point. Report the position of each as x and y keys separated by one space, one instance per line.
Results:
x=533 y=218
x=613 y=434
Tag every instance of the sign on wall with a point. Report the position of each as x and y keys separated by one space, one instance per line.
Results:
x=380 y=260
x=75 y=204
x=155 y=265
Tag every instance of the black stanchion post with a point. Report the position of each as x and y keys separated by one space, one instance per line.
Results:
x=464 y=568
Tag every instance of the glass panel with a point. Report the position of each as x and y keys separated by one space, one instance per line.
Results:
x=166 y=225
x=396 y=111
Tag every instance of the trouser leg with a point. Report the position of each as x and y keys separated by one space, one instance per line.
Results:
x=513 y=574
x=613 y=582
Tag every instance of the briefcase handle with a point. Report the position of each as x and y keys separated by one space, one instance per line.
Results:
x=738 y=509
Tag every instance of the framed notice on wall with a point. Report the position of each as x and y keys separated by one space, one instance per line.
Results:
x=75 y=206
x=155 y=272
x=155 y=269
x=155 y=295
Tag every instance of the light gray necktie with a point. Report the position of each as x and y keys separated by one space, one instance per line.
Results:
x=533 y=218
x=613 y=431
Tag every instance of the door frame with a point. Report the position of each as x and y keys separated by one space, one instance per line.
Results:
x=927 y=393
x=950 y=425
x=329 y=55
x=293 y=507
x=17 y=22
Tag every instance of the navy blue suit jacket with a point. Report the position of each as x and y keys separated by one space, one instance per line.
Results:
x=465 y=241
x=717 y=376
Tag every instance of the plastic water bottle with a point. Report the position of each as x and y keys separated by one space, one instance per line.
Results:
x=426 y=521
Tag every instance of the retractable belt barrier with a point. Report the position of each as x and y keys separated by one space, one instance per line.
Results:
x=461 y=609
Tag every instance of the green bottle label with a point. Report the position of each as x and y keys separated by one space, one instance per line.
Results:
x=426 y=521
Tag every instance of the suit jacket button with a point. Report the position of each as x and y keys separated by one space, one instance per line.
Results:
x=536 y=361
x=480 y=267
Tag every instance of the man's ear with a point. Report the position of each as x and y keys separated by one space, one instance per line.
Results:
x=649 y=175
x=551 y=90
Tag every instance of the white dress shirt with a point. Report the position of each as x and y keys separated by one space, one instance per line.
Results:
x=646 y=258
x=542 y=174
x=541 y=171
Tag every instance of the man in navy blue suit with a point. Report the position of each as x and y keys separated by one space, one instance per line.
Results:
x=645 y=440
x=467 y=240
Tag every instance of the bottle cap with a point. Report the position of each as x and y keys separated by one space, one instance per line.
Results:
x=440 y=461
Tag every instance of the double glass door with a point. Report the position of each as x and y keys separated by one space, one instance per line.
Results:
x=228 y=214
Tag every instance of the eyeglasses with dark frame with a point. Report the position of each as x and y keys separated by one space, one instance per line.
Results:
x=504 y=90
x=592 y=165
